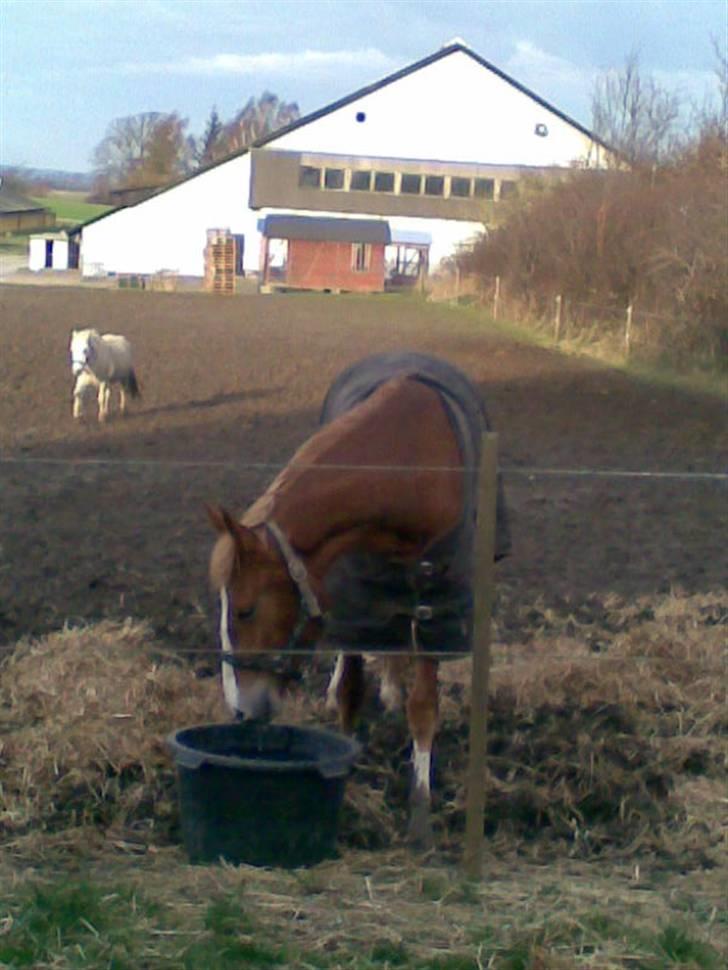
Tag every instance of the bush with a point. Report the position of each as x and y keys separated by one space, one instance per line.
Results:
x=655 y=238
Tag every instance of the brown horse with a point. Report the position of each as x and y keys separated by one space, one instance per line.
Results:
x=382 y=483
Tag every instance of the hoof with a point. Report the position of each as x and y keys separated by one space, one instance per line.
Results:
x=420 y=834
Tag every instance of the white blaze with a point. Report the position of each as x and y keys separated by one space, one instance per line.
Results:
x=229 y=680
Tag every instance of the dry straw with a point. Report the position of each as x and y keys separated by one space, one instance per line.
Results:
x=621 y=751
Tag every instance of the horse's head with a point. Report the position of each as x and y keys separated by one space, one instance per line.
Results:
x=259 y=609
x=82 y=350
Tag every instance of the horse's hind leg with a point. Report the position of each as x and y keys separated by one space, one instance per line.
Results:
x=391 y=685
x=422 y=716
x=104 y=400
x=346 y=689
x=122 y=399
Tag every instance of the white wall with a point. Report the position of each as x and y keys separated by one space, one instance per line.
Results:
x=36 y=253
x=452 y=110
x=169 y=231
x=59 y=256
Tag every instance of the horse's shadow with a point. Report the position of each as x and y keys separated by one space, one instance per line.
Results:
x=211 y=402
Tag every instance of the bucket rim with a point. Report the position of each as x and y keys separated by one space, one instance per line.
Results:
x=331 y=765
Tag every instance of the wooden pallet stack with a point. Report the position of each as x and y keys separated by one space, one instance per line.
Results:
x=220 y=261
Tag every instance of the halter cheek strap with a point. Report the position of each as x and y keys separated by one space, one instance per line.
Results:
x=310 y=607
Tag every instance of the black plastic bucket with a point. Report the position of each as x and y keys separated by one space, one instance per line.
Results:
x=262 y=794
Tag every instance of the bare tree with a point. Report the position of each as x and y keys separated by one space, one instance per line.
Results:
x=258 y=118
x=143 y=149
x=634 y=115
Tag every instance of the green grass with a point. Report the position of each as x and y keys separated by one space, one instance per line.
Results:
x=70 y=207
x=76 y=924
x=706 y=379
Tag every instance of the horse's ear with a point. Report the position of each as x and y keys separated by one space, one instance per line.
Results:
x=220 y=518
x=223 y=523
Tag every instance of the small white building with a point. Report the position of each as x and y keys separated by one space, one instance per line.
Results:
x=52 y=250
x=433 y=148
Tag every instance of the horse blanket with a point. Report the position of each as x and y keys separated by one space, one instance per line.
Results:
x=380 y=604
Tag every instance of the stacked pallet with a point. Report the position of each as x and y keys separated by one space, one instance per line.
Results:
x=220 y=261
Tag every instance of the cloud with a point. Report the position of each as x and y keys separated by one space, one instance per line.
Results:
x=308 y=63
x=538 y=67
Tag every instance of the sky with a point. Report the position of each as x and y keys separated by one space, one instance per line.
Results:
x=68 y=68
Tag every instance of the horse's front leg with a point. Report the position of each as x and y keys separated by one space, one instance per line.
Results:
x=346 y=689
x=422 y=717
x=122 y=399
x=104 y=398
x=76 y=400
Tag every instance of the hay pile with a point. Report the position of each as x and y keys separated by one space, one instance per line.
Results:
x=83 y=717
x=619 y=750
x=622 y=749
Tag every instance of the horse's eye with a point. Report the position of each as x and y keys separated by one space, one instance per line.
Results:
x=243 y=615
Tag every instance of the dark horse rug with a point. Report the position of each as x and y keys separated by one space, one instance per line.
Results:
x=381 y=604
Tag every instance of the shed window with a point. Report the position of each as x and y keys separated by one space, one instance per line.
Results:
x=434 y=185
x=309 y=176
x=361 y=257
x=508 y=189
x=483 y=188
x=334 y=178
x=384 y=181
x=460 y=187
x=361 y=181
x=411 y=184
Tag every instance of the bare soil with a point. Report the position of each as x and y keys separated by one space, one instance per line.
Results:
x=109 y=521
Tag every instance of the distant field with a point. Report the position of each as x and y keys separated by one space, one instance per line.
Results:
x=70 y=207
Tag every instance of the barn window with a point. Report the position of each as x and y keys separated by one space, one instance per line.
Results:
x=384 y=181
x=411 y=184
x=361 y=181
x=460 y=187
x=508 y=189
x=334 y=178
x=434 y=185
x=484 y=188
x=309 y=177
x=361 y=257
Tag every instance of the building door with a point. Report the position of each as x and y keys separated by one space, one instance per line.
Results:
x=49 y=254
x=239 y=253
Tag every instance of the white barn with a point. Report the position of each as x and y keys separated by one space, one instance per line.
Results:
x=432 y=148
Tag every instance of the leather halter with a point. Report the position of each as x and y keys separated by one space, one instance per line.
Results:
x=310 y=608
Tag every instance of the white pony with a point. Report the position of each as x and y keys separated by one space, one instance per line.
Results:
x=100 y=360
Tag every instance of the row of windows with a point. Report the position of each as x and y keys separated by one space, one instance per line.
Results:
x=404 y=183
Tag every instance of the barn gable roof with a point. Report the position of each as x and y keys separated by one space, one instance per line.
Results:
x=456 y=46
x=445 y=51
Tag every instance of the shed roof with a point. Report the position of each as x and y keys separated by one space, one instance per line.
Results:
x=326 y=229
x=11 y=201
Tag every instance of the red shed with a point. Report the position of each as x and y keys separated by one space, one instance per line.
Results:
x=312 y=253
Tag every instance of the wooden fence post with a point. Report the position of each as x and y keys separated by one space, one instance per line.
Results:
x=483 y=589
x=496 y=297
x=557 y=319
x=628 y=331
